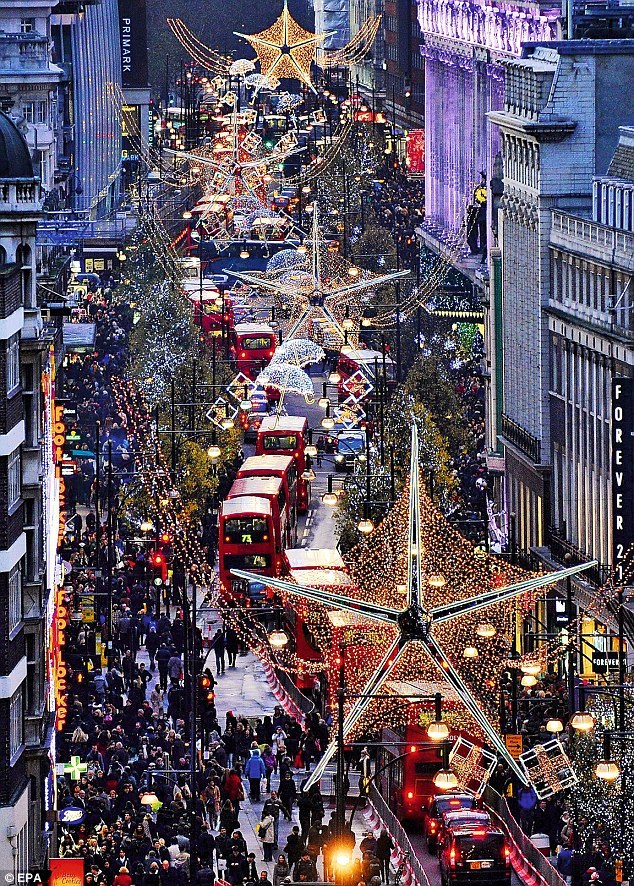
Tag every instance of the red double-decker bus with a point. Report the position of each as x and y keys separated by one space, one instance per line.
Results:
x=246 y=540
x=282 y=466
x=253 y=345
x=272 y=489
x=287 y=435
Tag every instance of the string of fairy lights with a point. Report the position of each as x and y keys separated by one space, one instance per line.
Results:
x=203 y=55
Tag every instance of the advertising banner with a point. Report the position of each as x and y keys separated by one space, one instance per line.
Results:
x=415 y=154
x=133 y=35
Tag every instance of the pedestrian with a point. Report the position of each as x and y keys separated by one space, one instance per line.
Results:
x=266 y=833
x=273 y=807
x=236 y=867
x=295 y=846
x=305 y=870
x=152 y=645
x=255 y=770
x=270 y=762
x=281 y=870
x=383 y=851
x=232 y=644
x=175 y=668
x=287 y=794
x=218 y=646
x=163 y=657
x=264 y=879
x=304 y=807
x=252 y=868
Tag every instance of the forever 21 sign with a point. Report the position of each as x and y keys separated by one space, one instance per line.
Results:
x=622 y=477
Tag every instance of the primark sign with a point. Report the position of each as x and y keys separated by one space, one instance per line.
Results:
x=622 y=479
x=133 y=35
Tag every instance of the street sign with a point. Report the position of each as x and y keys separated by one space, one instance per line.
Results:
x=514 y=744
x=602 y=662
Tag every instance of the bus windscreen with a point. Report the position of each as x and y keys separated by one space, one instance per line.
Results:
x=283 y=441
x=246 y=530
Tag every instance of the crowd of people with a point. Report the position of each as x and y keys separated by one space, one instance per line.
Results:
x=137 y=820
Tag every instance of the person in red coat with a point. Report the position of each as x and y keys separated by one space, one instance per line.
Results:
x=123 y=878
x=233 y=789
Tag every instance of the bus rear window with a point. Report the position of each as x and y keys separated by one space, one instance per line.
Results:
x=256 y=343
x=247 y=561
x=246 y=530
x=287 y=442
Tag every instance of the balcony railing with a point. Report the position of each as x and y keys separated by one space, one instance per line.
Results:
x=522 y=439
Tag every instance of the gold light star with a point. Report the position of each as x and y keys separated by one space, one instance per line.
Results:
x=285 y=49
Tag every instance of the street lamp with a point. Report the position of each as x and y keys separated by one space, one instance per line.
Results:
x=470 y=652
x=328 y=421
x=365 y=526
x=607 y=769
x=334 y=378
x=329 y=498
x=582 y=721
x=528 y=680
x=278 y=638
x=445 y=780
x=214 y=452
x=555 y=726
x=486 y=630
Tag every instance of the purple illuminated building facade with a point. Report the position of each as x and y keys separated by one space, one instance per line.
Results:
x=465 y=45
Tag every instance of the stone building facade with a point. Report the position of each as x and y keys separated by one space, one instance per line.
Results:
x=558 y=129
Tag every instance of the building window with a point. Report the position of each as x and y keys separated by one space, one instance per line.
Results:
x=28 y=109
x=15 y=597
x=391 y=52
x=16 y=723
x=42 y=112
x=27 y=25
x=13 y=364
x=13 y=478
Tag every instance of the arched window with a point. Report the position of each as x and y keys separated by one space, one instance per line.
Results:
x=3 y=255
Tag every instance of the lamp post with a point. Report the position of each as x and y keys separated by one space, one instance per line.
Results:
x=340 y=800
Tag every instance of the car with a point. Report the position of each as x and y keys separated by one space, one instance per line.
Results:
x=350 y=445
x=461 y=818
x=436 y=807
x=475 y=855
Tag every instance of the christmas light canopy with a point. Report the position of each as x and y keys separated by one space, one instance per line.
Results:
x=285 y=49
x=415 y=624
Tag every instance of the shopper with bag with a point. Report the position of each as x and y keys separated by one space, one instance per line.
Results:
x=266 y=833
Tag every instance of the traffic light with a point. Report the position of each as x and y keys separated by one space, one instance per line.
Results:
x=158 y=562
x=206 y=694
x=165 y=546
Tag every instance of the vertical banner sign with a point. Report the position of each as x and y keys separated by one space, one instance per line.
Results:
x=133 y=35
x=416 y=152
x=622 y=476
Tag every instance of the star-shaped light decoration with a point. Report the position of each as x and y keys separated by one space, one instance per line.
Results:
x=415 y=625
x=322 y=293
x=285 y=49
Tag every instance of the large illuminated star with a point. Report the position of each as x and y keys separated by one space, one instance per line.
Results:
x=285 y=49
x=415 y=625
x=322 y=290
